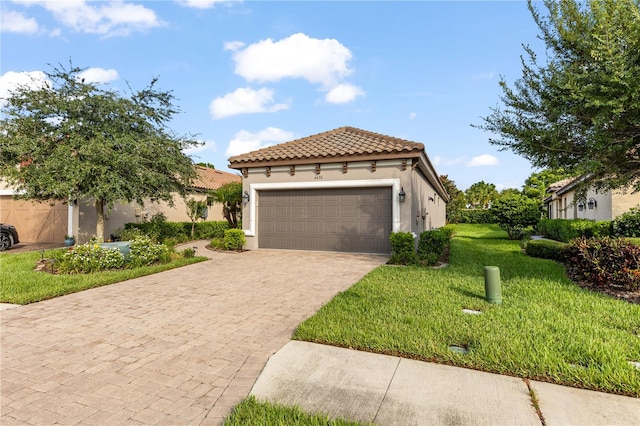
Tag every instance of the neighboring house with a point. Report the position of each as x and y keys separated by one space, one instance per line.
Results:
x=342 y=190
x=49 y=222
x=562 y=202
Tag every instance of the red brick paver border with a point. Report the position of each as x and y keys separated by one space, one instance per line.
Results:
x=179 y=347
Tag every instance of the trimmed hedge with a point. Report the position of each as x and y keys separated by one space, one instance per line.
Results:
x=402 y=248
x=179 y=231
x=477 y=216
x=432 y=244
x=546 y=249
x=567 y=229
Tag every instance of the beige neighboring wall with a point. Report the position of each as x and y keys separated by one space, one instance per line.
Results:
x=623 y=201
x=122 y=214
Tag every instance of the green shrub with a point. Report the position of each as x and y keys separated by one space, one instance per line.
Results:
x=212 y=229
x=188 y=253
x=89 y=257
x=567 y=229
x=175 y=232
x=144 y=252
x=605 y=261
x=432 y=245
x=130 y=233
x=402 y=248
x=476 y=216
x=217 y=243
x=628 y=224
x=546 y=249
x=515 y=213
x=234 y=239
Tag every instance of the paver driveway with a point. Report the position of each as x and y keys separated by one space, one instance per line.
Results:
x=179 y=347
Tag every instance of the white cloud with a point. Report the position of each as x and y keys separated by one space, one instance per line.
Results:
x=438 y=160
x=11 y=80
x=343 y=93
x=204 y=4
x=484 y=76
x=297 y=56
x=483 y=160
x=233 y=45
x=98 y=75
x=204 y=147
x=15 y=22
x=412 y=115
x=245 y=141
x=109 y=18
x=244 y=100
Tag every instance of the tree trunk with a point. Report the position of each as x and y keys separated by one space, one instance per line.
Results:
x=100 y=220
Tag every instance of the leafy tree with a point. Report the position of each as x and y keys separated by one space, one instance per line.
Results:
x=535 y=186
x=230 y=196
x=514 y=213
x=481 y=194
x=208 y=165
x=196 y=210
x=457 y=202
x=580 y=109
x=508 y=192
x=77 y=140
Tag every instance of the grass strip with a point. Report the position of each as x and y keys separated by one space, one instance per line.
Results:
x=22 y=285
x=251 y=412
x=546 y=329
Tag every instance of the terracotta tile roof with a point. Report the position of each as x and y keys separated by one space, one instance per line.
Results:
x=212 y=179
x=333 y=145
x=560 y=184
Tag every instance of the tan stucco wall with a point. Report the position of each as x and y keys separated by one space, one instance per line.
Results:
x=623 y=201
x=428 y=209
x=121 y=214
x=386 y=173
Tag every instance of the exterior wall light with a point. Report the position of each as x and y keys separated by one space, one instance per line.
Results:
x=592 y=204
x=245 y=197
x=402 y=195
x=580 y=207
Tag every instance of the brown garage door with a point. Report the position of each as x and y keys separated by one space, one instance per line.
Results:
x=349 y=219
x=35 y=222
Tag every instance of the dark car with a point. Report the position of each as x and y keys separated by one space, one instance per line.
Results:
x=8 y=236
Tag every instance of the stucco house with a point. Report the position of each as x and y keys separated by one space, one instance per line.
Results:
x=562 y=202
x=49 y=222
x=345 y=189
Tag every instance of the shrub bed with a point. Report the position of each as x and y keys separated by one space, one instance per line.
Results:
x=567 y=229
x=433 y=244
x=91 y=257
x=403 y=251
x=605 y=262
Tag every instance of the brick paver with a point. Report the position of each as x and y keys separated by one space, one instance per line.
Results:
x=179 y=347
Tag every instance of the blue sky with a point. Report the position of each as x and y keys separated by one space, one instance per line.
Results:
x=254 y=73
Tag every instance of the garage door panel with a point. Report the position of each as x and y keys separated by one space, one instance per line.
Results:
x=36 y=222
x=345 y=219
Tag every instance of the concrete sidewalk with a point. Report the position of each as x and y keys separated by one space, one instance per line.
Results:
x=396 y=391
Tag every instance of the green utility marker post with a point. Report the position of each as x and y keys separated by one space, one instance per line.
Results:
x=492 y=287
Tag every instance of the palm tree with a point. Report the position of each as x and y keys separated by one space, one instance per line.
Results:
x=230 y=196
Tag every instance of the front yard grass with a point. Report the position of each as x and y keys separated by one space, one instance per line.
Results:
x=252 y=412
x=22 y=285
x=547 y=328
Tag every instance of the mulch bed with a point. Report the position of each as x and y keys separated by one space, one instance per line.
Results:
x=613 y=291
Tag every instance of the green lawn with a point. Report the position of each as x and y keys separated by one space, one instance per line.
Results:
x=547 y=328
x=251 y=412
x=22 y=285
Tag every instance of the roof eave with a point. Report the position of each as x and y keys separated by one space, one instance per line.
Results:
x=324 y=160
